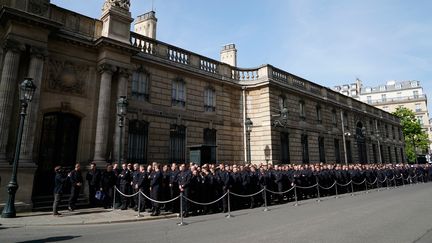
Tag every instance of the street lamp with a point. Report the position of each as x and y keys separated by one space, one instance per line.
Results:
x=248 y=124
x=267 y=154
x=27 y=90
x=414 y=140
x=122 y=104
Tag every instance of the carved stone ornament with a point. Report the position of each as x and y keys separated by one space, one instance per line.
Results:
x=124 y=4
x=67 y=77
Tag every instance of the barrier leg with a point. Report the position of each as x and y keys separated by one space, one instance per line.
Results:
x=366 y=187
x=387 y=183
x=114 y=197
x=229 y=206
x=139 y=203
x=295 y=196
x=352 y=188
x=336 y=191
x=265 y=199
x=318 y=193
x=403 y=181
x=181 y=223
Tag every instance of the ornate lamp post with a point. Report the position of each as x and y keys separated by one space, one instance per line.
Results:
x=248 y=124
x=122 y=104
x=27 y=90
x=267 y=154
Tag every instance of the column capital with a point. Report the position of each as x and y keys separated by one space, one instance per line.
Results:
x=106 y=68
x=125 y=72
x=38 y=52
x=13 y=45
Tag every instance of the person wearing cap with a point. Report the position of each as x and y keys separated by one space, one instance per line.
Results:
x=59 y=180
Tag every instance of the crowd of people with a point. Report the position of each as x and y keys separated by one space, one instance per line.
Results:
x=210 y=182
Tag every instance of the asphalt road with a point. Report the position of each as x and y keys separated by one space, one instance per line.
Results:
x=398 y=215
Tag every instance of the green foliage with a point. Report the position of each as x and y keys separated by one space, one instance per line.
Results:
x=416 y=139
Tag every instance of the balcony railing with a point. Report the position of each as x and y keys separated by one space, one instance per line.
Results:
x=397 y=99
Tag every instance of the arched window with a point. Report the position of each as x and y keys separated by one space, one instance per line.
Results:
x=209 y=99
x=178 y=93
x=140 y=85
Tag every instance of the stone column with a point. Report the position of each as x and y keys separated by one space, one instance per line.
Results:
x=35 y=72
x=8 y=85
x=103 y=115
x=121 y=91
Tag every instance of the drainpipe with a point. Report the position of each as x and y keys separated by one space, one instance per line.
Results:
x=244 y=124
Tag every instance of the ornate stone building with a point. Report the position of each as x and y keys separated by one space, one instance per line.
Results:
x=178 y=101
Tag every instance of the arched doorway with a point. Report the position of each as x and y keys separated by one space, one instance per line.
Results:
x=361 y=143
x=58 y=146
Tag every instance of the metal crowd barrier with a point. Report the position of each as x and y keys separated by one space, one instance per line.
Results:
x=294 y=187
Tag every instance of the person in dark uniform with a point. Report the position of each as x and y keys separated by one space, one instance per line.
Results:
x=174 y=188
x=141 y=185
x=184 y=180
x=107 y=182
x=155 y=188
x=59 y=180
x=76 y=180
x=226 y=183
x=93 y=180
x=135 y=177
x=125 y=178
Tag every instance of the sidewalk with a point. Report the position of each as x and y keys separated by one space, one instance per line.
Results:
x=79 y=217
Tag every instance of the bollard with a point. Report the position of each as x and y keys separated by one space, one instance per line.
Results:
x=265 y=199
x=295 y=195
x=336 y=190
x=114 y=197
x=352 y=188
x=229 y=206
x=318 y=193
x=139 y=203
x=182 y=223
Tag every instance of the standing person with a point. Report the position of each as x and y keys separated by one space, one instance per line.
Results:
x=76 y=180
x=107 y=182
x=93 y=180
x=155 y=188
x=174 y=188
x=184 y=181
x=59 y=180
x=125 y=178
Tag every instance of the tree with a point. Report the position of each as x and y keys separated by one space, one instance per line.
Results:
x=416 y=139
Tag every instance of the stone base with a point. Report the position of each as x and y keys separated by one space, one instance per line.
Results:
x=23 y=196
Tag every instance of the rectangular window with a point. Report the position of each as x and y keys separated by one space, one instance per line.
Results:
x=209 y=100
x=416 y=94
x=140 y=85
x=390 y=155
x=402 y=155
x=334 y=118
x=396 y=155
x=382 y=154
x=418 y=107
x=177 y=144
x=369 y=99
x=337 y=151
x=383 y=97
x=178 y=93
x=374 y=152
x=321 y=147
x=305 y=148
x=284 y=148
x=302 y=110
x=137 y=141
x=386 y=131
x=318 y=114
x=420 y=120
x=346 y=121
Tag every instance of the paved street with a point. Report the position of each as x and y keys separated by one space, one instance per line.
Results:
x=397 y=215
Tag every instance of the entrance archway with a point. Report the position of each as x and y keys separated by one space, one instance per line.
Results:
x=58 y=146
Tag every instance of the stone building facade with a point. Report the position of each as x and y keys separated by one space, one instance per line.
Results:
x=178 y=100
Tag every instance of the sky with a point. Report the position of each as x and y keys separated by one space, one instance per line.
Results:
x=329 y=42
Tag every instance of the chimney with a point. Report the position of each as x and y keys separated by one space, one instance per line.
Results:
x=229 y=55
x=146 y=24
